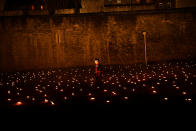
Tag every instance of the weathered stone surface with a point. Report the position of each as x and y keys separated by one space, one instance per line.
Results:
x=31 y=42
x=185 y=3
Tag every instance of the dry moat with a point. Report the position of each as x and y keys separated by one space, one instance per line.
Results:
x=168 y=83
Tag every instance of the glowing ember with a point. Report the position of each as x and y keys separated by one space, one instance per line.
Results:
x=114 y=93
x=52 y=103
x=126 y=98
x=92 y=98
x=184 y=93
x=188 y=99
x=154 y=91
x=19 y=103
x=9 y=99
x=45 y=101
x=107 y=101
x=105 y=90
x=166 y=99
x=177 y=87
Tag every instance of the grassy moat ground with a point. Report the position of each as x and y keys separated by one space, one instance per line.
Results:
x=65 y=89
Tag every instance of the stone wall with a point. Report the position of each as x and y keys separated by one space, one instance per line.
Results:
x=92 y=6
x=34 y=42
x=185 y=3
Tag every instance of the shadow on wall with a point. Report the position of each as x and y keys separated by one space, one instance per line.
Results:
x=2 y=5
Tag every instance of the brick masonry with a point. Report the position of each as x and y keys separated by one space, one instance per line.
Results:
x=44 y=41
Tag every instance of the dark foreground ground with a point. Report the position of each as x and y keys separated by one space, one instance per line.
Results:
x=122 y=87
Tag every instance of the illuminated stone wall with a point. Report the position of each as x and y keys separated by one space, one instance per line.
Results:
x=185 y=3
x=32 y=42
x=92 y=6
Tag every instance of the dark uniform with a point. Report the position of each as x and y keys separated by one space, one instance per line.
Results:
x=98 y=73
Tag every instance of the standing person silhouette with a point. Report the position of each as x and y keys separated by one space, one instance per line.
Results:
x=98 y=71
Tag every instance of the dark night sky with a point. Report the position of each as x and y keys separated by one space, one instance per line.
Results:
x=25 y=4
x=180 y=3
